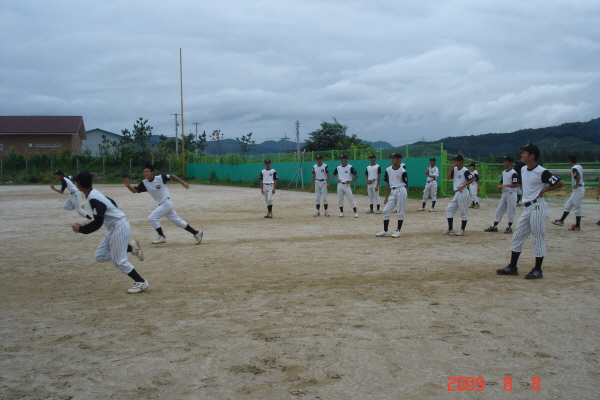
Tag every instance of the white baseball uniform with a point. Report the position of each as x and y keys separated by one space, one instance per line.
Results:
x=73 y=202
x=398 y=181
x=577 y=194
x=474 y=186
x=113 y=245
x=373 y=172
x=345 y=174
x=431 y=185
x=268 y=178
x=160 y=193
x=508 y=201
x=320 y=172
x=461 y=198
x=534 y=216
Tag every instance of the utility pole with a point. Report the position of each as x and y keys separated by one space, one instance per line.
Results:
x=285 y=138
x=298 y=139
x=176 y=141
x=197 y=123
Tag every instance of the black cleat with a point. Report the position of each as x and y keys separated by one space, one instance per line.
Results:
x=535 y=274
x=491 y=229
x=508 y=270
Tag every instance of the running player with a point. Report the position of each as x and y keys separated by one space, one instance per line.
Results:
x=396 y=181
x=373 y=176
x=343 y=175
x=113 y=245
x=156 y=185
x=268 y=183
x=320 y=173
x=432 y=173
x=509 y=182
x=576 y=195
x=536 y=181
x=461 y=179
x=74 y=200
x=474 y=186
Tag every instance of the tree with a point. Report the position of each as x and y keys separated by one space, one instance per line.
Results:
x=332 y=136
x=245 y=143
x=201 y=142
x=216 y=136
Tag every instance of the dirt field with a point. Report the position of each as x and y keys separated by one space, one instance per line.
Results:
x=291 y=308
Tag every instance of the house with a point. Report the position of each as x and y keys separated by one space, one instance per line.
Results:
x=94 y=140
x=29 y=134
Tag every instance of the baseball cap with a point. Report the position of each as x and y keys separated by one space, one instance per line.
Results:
x=508 y=158
x=458 y=157
x=267 y=160
x=531 y=149
x=343 y=156
x=396 y=155
x=59 y=172
x=472 y=164
x=372 y=156
x=319 y=157
x=432 y=159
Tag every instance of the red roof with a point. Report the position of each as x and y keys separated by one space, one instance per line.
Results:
x=42 y=124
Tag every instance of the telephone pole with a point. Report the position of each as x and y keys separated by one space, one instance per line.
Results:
x=285 y=138
x=298 y=139
x=176 y=135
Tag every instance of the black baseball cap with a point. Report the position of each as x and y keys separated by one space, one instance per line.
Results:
x=472 y=164
x=372 y=156
x=267 y=160
x=531 y=149
x=508 y=158
x=343 y=156
x=84 y=178
x=319 y=157
x=432 y=159
x=458 y=157
x=396 y=155
x=59 y=172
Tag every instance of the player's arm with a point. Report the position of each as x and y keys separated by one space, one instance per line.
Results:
x=98 y=210
x=378 y=175
x=355 y=174
x=450 y=173
x=471 y=178
x=274 y=181
x=312 y=183
x=335 y=176
x=577 y=178
x=132 y=189
x=367 y=176
x=554 y=181
x=178 y=179
x=328 y=179
x=56 y=190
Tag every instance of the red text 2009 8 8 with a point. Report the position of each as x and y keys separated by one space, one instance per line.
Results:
x=470 y=383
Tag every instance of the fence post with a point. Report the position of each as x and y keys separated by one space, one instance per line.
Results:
x=130 y=167
x=26 y=170
x=103 y=169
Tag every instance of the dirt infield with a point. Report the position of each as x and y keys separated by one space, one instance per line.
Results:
x=295 y=307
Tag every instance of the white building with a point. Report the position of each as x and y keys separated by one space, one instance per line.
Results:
x=94 y=140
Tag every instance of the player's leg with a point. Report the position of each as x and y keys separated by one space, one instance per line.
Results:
x=450 y=211
x=387 y=212
x=401 y=197
x=318 y=195
x=324 y=196
x=118 y=242
x=538 y=218
x=371 y=193
x=577 y=200
x=426 y=194
x=350 y=197
x=341 y=193
x=522 y=231
x=511 y=205
x=377 y=198
x=433 y=195
x=463 y=205
x=501 y=210
x=154 y=217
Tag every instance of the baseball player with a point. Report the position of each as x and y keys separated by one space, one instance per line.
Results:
x=461 y=179
x=474 y=186
x=535 y=181
x=320 y=174
x=432 y=172
x=576 y=195
x=373 y=176
x=113 y=245
x=156 y=185
x=396 y=181
x=74 y=200
x=268 y=183
x=598 y=199
x=343 y=175
x=509 y=182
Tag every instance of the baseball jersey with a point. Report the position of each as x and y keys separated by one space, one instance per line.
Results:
x=460 y=177
x=157 y=188
x=535 y=180
x=346 y=173
x=435 y=172
x=320 y=171
x=396 y=177
x=67 y=184
x=577 y=173
x=509 y=178
x=475 y=175
x=372 y=172
x=104 y=210
x=268 y=176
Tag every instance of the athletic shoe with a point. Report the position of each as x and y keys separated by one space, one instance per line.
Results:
x=461 y=232
x=341 y=215
x=431 y=209
x=138 y=287
x=598 y=223
x=317 y=213
x=159 y=240
x=449 y=232
x=198 y=237
x=136 y=250
x=535 y=274
x=379 y=212
x=508 y=230
x=519 y=204
x=574 y=228
x=477 y=205
x=326 y=213
x=508 y=270
x=382 y=234
x=472 y=205
x=269 y=215
x=421 y=209
x=395 y=211
x=396 y=234
x=355 y=215
x=558 y=222
x=370 y=212
x=491 y=229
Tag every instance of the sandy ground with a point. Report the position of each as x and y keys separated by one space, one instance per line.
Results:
x=295 y=307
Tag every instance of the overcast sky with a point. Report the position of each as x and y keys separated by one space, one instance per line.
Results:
x=393 y=70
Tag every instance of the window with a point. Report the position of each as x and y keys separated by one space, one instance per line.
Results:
x=47 y=145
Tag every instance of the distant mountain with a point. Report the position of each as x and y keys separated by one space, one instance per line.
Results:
x=268 y=147
x=379 y=145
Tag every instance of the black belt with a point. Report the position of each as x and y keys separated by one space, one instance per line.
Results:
x=72 y=193
x=320 y=180
x=527 y=204
x=397 y=187
x=168 y=198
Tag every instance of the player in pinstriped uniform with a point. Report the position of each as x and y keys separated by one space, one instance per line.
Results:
x=576 y=195
x=432 y=173
x=156 y=186
x=320 y=174
x=268 y=183
x=343 y=175
x=473 y=187
x=461 y=178
x=73 y=202
x=535 y=181
x=509 y=182
x=113 y=245
x=396 y=181
x=373 y=176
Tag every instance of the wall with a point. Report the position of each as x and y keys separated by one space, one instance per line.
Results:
x=21 y=143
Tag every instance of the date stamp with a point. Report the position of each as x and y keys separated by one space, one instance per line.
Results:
x=477 y=383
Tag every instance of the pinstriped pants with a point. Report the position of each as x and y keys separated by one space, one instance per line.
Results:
x=113 y=246
x=532 y=221
x=321 y=191
x=345 y=189
x=73 y=202
x=575 y=201
x=397 y=197
x=473 y=189
x=166 y=209
x=430 y=190
x=459 y=202
x=507 y=204
x=373 y=190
